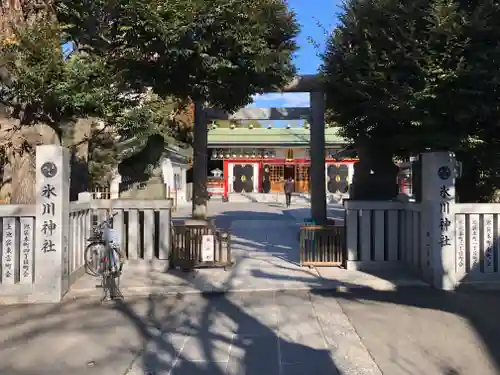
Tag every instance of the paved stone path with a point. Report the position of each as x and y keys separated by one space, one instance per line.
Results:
x=410 y=332
x=248 y=334
x=265 y=250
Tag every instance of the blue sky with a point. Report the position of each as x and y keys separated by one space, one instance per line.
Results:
x=316 y=17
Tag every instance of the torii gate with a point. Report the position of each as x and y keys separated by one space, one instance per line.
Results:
x=315 y=114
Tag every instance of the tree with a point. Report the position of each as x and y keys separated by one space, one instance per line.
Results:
x=13 y=15
x=48 y=98
x=221 y=51
x=43 y=95
x=409 y=77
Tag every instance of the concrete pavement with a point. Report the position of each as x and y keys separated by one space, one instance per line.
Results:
x=288 y=321
x=412 y=331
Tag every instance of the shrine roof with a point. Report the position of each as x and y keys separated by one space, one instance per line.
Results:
x=273 y=136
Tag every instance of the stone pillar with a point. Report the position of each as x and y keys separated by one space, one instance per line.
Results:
x=200 y=169
x=437 y=218
x=52 y=222
x=317 y=146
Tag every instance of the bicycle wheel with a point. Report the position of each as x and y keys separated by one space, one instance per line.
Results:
x=93 y=258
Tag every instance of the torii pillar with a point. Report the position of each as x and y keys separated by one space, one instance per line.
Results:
x=304 y=83
x=200 y=162
x=317 y=154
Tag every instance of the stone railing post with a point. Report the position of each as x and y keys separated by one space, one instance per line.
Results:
x=437 y=218
x=52 y=223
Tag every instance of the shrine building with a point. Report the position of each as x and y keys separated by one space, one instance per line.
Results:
x=261 y=159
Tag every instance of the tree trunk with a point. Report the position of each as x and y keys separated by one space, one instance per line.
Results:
x=75 y=138
x=375 y=175
x=23 y=163
x=23 y=179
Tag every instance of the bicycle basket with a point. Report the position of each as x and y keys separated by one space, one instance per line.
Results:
x=96 y=236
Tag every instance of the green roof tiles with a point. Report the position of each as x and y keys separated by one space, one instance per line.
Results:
x=273 y=136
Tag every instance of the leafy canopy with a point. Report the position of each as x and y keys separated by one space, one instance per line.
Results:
x=40 y=86
x=422 y=73
x=221 y=51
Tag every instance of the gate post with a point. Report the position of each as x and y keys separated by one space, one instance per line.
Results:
x=52 y=223
x=437 y=219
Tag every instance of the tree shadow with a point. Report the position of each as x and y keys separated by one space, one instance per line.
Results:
x=478 y=308
x=222 y=338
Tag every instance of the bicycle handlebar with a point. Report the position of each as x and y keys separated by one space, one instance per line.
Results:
x=107 y=221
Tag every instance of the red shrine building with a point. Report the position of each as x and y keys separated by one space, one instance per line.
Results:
x=259 y=160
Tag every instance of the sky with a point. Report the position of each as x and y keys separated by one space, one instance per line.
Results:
x=317 y=18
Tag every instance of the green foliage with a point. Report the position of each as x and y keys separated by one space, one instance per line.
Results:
x=138 y=66
x=40 y=86
x=102 y=159
x=221 y=51
x=420 y=75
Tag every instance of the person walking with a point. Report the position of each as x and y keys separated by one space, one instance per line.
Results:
x=289 y=188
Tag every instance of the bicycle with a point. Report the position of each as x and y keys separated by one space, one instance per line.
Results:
x=103 y=258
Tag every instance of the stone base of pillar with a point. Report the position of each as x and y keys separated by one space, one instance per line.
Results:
x=198 y=222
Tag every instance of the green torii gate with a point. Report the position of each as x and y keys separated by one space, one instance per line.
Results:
x=315 y=114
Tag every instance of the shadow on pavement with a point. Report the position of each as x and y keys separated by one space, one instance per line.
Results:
x=243 y=346
x=415 y=330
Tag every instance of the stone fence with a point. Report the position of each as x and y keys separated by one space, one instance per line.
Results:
x=42 y=246
x=449 y=244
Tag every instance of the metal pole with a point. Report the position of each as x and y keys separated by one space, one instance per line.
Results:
x=317 y=146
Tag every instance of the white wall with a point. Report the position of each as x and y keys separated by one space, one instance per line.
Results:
x=255 y=176
x=169 y=171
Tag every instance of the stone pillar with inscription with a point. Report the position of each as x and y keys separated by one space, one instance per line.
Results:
x=52 y=223
x=437 y=219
